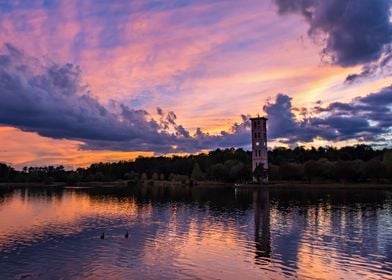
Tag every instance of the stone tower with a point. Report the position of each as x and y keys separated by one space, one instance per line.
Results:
x=259 y=146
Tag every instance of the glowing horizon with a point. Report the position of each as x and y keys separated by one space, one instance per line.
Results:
x=83 y=82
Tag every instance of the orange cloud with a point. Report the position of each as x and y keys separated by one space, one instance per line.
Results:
x=29 y=149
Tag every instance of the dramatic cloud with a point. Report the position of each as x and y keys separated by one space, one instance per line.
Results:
x=366 y=119
x=379 y=68
x=53 y=101
x=356 y=32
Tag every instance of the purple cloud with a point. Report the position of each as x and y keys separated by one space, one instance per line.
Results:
x=357 y=32
x=366 y=118
x=54 y=102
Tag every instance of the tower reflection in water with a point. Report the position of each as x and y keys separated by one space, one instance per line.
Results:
x=261 y=206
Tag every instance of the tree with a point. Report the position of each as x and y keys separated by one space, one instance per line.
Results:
x=387 y=160
x=273 y=172
x=354 y=163
x=326 y=168
x=373 y=169
x=5 y=172
x=155 y=176
x=143 y=178
x=239 y=172
x=197 y=174
x=346 y=170
x=313 y=169
x=291 y=171
x=220 y=172
x=131 y=176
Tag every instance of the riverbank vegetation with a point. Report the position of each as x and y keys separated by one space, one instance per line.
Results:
x=360 y=163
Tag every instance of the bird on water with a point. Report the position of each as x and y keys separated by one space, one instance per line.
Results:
x=103 y=235
x=126 y=235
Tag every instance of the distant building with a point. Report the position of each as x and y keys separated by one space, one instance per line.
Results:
x=259 y=147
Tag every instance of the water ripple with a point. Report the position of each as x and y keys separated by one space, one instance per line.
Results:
x=250 y=237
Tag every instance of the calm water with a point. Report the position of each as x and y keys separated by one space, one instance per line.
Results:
x=202 y=233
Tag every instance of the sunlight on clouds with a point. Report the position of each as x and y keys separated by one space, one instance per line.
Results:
x=29 y=149
x=208 y=61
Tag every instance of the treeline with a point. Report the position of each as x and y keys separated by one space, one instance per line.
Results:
x=358 y=163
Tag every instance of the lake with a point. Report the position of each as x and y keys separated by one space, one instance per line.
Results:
x=195 y=233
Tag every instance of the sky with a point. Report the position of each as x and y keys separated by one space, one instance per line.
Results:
x=88 y=81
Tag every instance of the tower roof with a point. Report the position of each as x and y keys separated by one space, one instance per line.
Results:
x=258 y=118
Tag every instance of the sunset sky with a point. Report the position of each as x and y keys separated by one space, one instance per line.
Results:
x=88 y=81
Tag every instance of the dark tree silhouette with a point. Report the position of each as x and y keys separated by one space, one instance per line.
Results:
x=352 y=163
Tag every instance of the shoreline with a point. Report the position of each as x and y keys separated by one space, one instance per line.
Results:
x=205 y=184
x=318 y=186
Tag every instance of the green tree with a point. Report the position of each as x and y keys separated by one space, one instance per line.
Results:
x=313 y=169
x=273 y=172
x=220 y=172
x=131 y=176
x=326 y=168
x=197 y=174
x=387 y=160
x=239 y=172
x=346 y=170
x=155 y=176
x=143 y=178
x=373 y=169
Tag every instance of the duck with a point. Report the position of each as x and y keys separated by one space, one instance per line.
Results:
x=103 y=235
x=126 y=235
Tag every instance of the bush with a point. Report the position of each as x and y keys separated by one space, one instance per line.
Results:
x=373 y=169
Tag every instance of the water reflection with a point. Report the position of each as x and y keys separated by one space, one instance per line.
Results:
x=183 y=232
x=262 y=225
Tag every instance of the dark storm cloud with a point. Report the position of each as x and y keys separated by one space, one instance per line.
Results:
x=284 y=126
x=356 y=32
x=53 y=102
x=380 y=67
x=366 y=118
